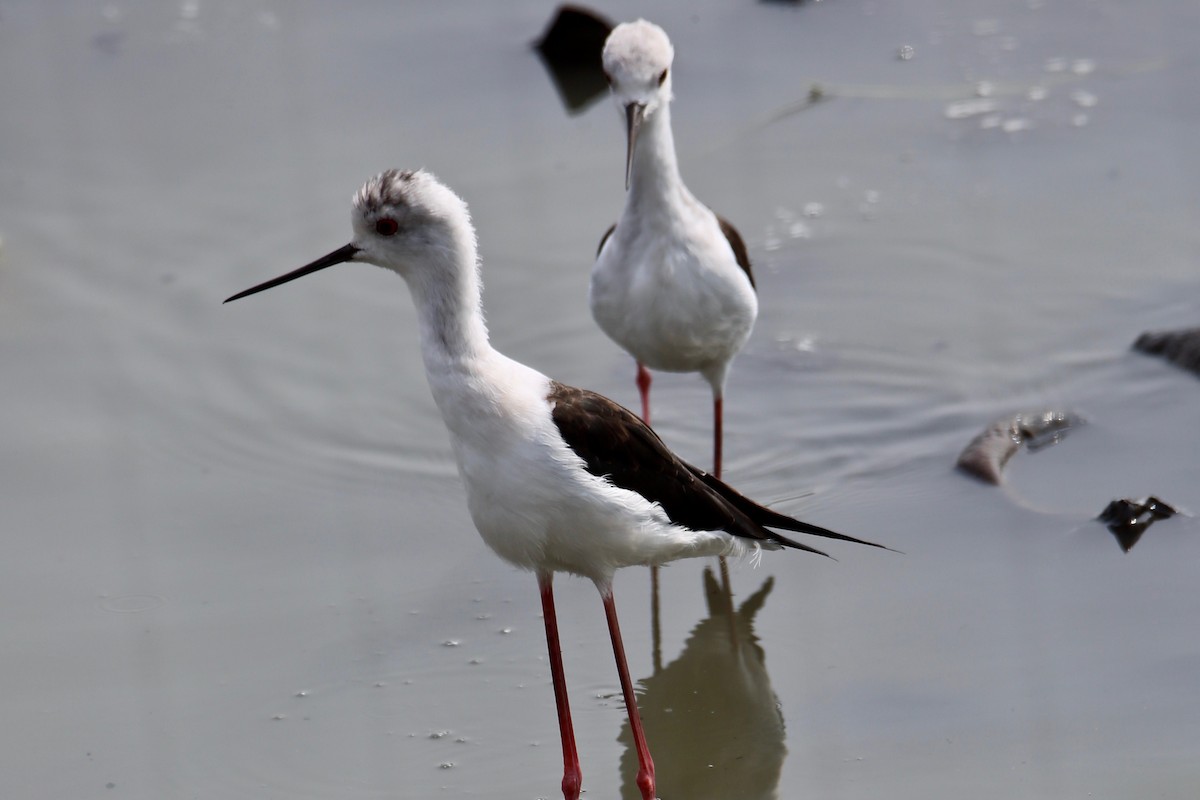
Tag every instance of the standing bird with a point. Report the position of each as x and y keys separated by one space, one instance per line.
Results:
x=558 y=479
x=672 y=282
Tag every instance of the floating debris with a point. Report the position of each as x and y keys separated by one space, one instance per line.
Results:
x=571 y=50
x=1129 y=519
x=905 y=52
x=988 y=452
x=1181 y=347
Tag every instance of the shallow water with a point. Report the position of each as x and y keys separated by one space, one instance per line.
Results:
x=237 y=560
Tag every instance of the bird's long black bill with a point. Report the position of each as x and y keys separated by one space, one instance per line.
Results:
x=339 y=256
x=633 y=123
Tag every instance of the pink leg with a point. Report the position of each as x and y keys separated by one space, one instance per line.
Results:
x=718 y=441
x=572 y=776
x=643 y=384
x=645 y=776
x=718 y=432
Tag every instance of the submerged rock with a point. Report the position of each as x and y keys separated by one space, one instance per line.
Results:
x=988 y=452
x=571 y=49
x=1181 y=348
x=1129 y=519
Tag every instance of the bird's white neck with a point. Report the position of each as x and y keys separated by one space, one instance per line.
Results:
x=655 y=170
x=447 y=295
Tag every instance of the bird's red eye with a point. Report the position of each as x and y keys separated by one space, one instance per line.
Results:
x=662 y=78
x=387 y=226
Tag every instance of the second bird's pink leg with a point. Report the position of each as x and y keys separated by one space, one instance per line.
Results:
x=645 y=776
x=572 y=775
x=718 y=433
x=643 y=384
x=718 y=442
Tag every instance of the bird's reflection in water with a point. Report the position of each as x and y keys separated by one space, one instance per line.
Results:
x=710 y=715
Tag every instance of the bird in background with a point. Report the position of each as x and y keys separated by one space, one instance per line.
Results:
x=558 y=479
x=672 y=283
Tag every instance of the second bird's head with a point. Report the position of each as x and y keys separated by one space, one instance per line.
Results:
x=637 y=62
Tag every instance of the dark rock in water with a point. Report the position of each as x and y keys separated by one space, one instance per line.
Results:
x=988 y=452
x=1129 y=519
x=571 y=48
x=1181 y=348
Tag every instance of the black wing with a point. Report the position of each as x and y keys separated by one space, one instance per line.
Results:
x=768 y=518
x=617 y=445
x=739 y=247
x=604 y=238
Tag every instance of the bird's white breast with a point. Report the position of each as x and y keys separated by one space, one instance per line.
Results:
x=530 y=495
x=671 y=292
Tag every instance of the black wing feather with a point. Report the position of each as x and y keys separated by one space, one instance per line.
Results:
x=739 y=248
x=615 y=444
x=604 y=238
x=768 y=518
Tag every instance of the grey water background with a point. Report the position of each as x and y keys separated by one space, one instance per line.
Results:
x=236 y=559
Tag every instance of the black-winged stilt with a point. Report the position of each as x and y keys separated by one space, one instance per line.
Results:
x=672 y=282
x=558 y=479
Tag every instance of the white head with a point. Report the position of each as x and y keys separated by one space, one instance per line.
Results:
x=637 y=61
x=408 y=222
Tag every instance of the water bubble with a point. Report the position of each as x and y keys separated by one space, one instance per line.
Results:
x=279 y=717
x=451 y=643
x=814 y=210
x=301 y=693
x=798 y=230
x=1056 y=64
x=1037 y=93
x=439 y=734
x=805 y=344
x=985 y=89
x=1083 y=66
x=1079 y=120
x=1084 y=99
x=906 y=52
x=446 y=765
x=1015 y=124
x=872 y=196
x=963 y=109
